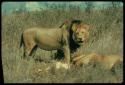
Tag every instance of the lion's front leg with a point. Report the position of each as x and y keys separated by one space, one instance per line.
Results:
x=66 y=48
x=66 y=62
x=66 y=54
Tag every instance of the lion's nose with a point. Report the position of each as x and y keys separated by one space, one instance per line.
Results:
x=80 y=39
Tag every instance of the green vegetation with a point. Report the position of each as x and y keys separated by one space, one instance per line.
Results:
x=106 y=37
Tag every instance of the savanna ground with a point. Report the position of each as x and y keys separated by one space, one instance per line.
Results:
x=106 y=37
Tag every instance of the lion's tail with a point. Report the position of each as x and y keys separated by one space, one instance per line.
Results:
x=21 y=41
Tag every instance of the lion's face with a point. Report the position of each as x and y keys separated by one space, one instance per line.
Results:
x=80 y=33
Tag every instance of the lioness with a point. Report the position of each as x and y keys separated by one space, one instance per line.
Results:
x=108 y=62
x=55 y=38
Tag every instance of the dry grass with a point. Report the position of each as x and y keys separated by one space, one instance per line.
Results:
x=106 y=37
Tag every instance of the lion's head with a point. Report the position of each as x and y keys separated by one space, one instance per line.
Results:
x=80 y=33
x=78 y=30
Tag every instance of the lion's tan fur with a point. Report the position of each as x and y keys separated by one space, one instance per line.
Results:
x=47 y=39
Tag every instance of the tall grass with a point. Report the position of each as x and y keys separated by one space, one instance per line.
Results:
x=106 y=37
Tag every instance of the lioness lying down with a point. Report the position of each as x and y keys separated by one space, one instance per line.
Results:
x=108 y=62
x=65 y=40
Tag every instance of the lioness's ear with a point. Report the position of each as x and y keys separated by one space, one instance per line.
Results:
x=74 y=27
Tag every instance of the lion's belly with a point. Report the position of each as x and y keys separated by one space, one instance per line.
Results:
x=49 y=45
x=48 y=41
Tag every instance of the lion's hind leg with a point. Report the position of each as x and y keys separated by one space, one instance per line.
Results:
x=29 y=49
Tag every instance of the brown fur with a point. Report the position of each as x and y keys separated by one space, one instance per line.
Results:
x=108 y=62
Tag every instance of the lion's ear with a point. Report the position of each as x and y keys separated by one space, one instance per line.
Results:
x=74 y=27
x=86 y=27
x=65 y=25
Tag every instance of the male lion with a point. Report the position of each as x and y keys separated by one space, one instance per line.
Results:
x=79 y=33
x=108 y=62
x=55 y=38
